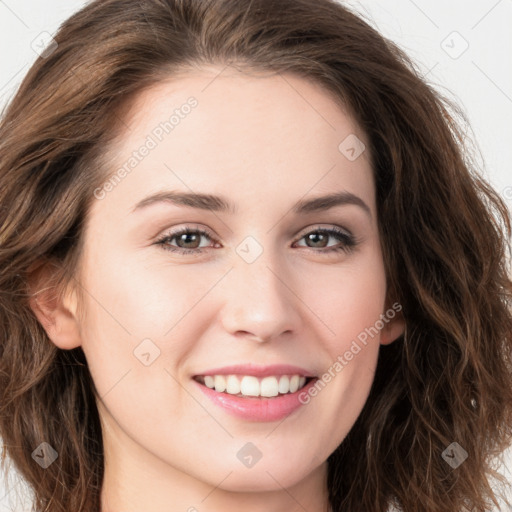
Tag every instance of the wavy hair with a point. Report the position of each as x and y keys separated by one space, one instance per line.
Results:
x=445 y=235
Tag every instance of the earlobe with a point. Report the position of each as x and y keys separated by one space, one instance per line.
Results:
x=392 y=330
x=394 y=325
x=57 y=315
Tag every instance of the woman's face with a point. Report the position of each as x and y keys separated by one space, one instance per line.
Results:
x=262 y=288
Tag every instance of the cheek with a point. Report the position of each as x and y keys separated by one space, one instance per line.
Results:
x=132 y=299
x=352 y=351
x=349 y=300
x=137 y=312
x=133 y=294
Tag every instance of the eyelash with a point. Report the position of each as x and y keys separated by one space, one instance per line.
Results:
x=348 y=241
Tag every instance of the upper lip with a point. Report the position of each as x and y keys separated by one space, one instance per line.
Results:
x=259 y=371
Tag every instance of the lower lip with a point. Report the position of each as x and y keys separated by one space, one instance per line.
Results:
x=257 y=408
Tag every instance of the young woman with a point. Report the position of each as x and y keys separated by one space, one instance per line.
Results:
x=247 y=263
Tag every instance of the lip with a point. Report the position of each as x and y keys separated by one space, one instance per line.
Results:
x=258 y=370
x=257 y=409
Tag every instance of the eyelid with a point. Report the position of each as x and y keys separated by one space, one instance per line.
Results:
x=199 y=229
x=323 y=227
x=208 y=232
x=348 y=241
x=188 y=227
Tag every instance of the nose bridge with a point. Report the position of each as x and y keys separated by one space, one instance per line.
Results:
x=259 y=300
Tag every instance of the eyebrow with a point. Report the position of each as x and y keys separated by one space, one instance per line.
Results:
x=221 y=204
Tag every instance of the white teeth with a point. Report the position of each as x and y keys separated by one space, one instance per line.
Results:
x=220 y=383
x=233 y=385
x=294 y=383
x=269 y=387
x=284 y=384
x=248 y=385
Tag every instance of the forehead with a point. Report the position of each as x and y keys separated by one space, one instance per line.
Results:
x=248 y=135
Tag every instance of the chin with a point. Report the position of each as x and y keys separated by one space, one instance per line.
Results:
x=261 y=477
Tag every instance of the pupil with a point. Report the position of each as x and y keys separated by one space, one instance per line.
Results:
x=185 y=236
x=313 y=237
x=316 y=238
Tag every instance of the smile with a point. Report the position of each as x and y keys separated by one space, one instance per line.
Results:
x=251 y=386
x=256 y=393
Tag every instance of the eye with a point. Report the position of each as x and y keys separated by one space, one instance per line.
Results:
x=319 y=238
x=188 y=240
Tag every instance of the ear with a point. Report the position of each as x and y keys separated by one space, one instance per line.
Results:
x=56 y=313
x=394 y=323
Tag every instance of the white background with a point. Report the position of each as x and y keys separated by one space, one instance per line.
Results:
x=435 y=33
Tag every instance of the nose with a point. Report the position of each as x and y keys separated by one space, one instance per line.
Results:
x=259 y=302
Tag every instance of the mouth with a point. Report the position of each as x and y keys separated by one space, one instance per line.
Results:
x=251 y=386
x=257 y=393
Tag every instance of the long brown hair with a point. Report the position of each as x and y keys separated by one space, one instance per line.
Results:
x=445 y=235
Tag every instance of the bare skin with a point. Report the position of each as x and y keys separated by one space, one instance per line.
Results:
x=263 y=143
